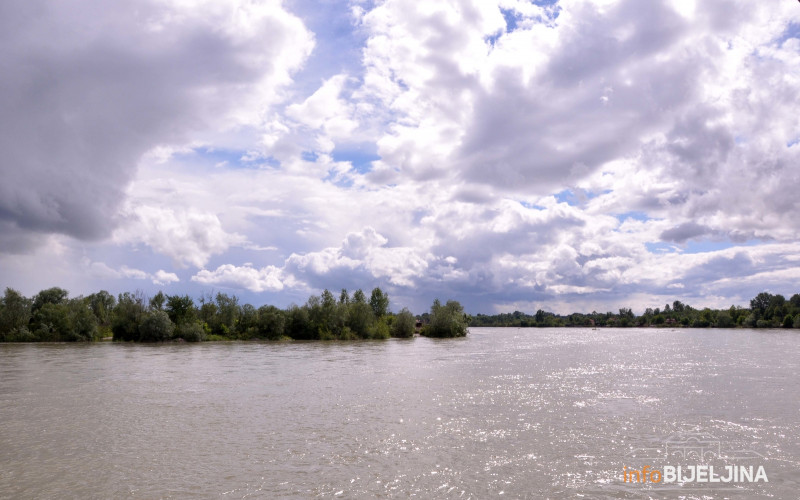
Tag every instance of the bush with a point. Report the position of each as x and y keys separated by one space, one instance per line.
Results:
x=379 y=330
x=797 y=321
x=762 y=323
x=190 y=332
x=787 y=321
x=403 y=324
x=447 y=320
x=156 y=327
x=271 y=322
x=127 y=316
x=724 y=320
x=21 y=334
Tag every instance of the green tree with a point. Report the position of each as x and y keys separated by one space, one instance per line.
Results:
x=724 y=320
x=403 y=324
x=82 y=321
x=360 y=319
x=271 y=322
x=180 y=309
x=227 y=315
x=53 y=296
x=157 y=301
x=102 y=304
x=760 y=303
x=15 y=314
x=51 y=322
x=447 y=320
x=248 y=322
x=379 y=302
x=190 y=331
x=127 y=316
x=298 y=325
x=155 y=327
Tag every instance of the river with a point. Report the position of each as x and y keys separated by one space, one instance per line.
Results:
x=502 y=413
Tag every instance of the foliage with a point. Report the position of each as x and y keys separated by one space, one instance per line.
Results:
x=127 y=316
x=379 y=302
x=155 y=327
x=271 y=322
x=447 y=320
x=180 y=309
x=190 y=332
x=403 y=324
x=15 y=314
x=53 y=296
x=52 y=316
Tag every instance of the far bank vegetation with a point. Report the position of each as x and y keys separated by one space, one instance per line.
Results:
x=51 y=316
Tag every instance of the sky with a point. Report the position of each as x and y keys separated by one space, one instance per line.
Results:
x=568 y=155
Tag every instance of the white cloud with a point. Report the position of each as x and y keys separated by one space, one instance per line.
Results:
x=247 y=277
x=188 y=237
x=104 y=271
x=90 y=86
x=590 y=155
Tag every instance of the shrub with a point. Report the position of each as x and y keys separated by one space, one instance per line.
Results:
x=21 y=334
x=724 y=320
x=447 y=320
x=379 y=330
x=190 y=332
x=156 y=327
x=271 y=322
x=403 y=324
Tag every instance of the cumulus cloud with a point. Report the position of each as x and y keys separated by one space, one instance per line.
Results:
x=244 y=277
x=584 y=155
x=363 y=257
x=104 y=271
x=189 y=237
x=88 y=87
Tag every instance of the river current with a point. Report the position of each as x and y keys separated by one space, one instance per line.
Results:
x=502 y=413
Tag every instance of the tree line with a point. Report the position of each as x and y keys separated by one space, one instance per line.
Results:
x=766 y=311
x=51 y=316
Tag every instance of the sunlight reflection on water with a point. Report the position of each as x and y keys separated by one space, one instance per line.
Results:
x=524 y=412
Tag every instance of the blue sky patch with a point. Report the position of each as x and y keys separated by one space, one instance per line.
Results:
x=791 y=31
x=531 y=206
x=225 y=158
x=635 y=215
x=692 y=246
x=361 y=160
x=311 y=156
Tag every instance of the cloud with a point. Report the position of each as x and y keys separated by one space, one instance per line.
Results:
x=188 y=237
x=247 y=277
x=104 y=271
x=89 y=87
x=683 y=232
x=361 y=259
x=587 y=155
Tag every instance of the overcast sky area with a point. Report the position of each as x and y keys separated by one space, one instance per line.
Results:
x=568 y=155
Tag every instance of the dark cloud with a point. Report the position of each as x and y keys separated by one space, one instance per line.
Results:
x=87 y=87
x=601 y=92
x=684 y=232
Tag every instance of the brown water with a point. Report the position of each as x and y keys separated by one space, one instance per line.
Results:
x=522 y=413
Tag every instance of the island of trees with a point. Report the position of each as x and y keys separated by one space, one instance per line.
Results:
x=766 y=311
x=51 y=316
